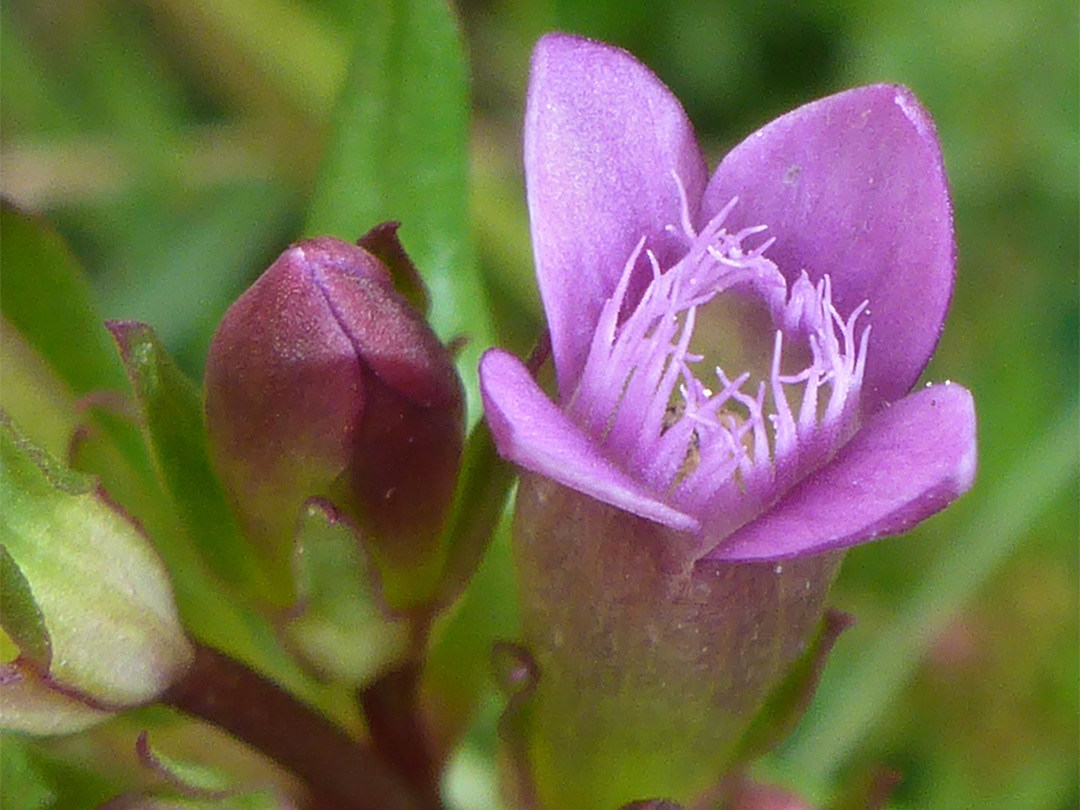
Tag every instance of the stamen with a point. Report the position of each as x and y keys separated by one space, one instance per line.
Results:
x=593 y=411
x=684 y=208
x=720 y=456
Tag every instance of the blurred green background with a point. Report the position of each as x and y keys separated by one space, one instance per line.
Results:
x=175 y=144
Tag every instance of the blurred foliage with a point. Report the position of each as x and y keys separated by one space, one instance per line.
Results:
x=175 y=144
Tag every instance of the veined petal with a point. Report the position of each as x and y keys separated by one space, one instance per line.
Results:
x=910 y=460
x=853 y=186
x=530 y=431
x=604 y=139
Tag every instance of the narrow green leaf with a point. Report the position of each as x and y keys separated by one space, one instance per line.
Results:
x=47 y=298
x=32 y=393
x=22 y=618
x=483 y=486
x=24 y=783
x=458 y=669
x=398 y=150
x=171 y=407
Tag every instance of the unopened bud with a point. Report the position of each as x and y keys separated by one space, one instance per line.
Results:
x=322 y=380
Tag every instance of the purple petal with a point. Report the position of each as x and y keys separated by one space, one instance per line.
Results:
x=531 y=432
x=603 y=138
x=854 y=186
x=909 y=461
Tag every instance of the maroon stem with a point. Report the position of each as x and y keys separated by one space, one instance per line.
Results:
x=341 y=772
x=397 y=731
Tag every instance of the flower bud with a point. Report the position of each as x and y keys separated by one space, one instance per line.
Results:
x=322 y=380
x=86 y=601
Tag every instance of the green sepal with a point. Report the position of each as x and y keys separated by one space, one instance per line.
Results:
x=652 y=662
x=199 y=786
x=458 y=667
x=171 y=408
x=383 y=243
x=788 y=702
x=196 y=779
x=340 y=627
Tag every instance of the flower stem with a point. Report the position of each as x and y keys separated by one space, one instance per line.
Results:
x=340 y=771
x=396 y=728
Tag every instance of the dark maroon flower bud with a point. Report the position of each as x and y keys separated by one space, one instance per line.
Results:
x=323 y=380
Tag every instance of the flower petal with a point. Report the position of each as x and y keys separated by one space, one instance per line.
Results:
x=531 y=432
x=854 y=186
x=909 y=461
x=603 y=140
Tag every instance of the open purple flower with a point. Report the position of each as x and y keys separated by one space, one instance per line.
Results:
x=818 y=258
x=733 y=357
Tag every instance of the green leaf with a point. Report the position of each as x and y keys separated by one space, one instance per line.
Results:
x=398 y=150
x=31 y=703
x=32 y=393
x=47 y=298
x=458 y=669
x=37 y=774
x=21 y=617
x=215 y=243
x=483 y=486
x=209 y=611
x=24 y=784
x=171 y=407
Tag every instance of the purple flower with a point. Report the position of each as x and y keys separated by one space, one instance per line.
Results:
x=734 y=353
x=733 y=357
